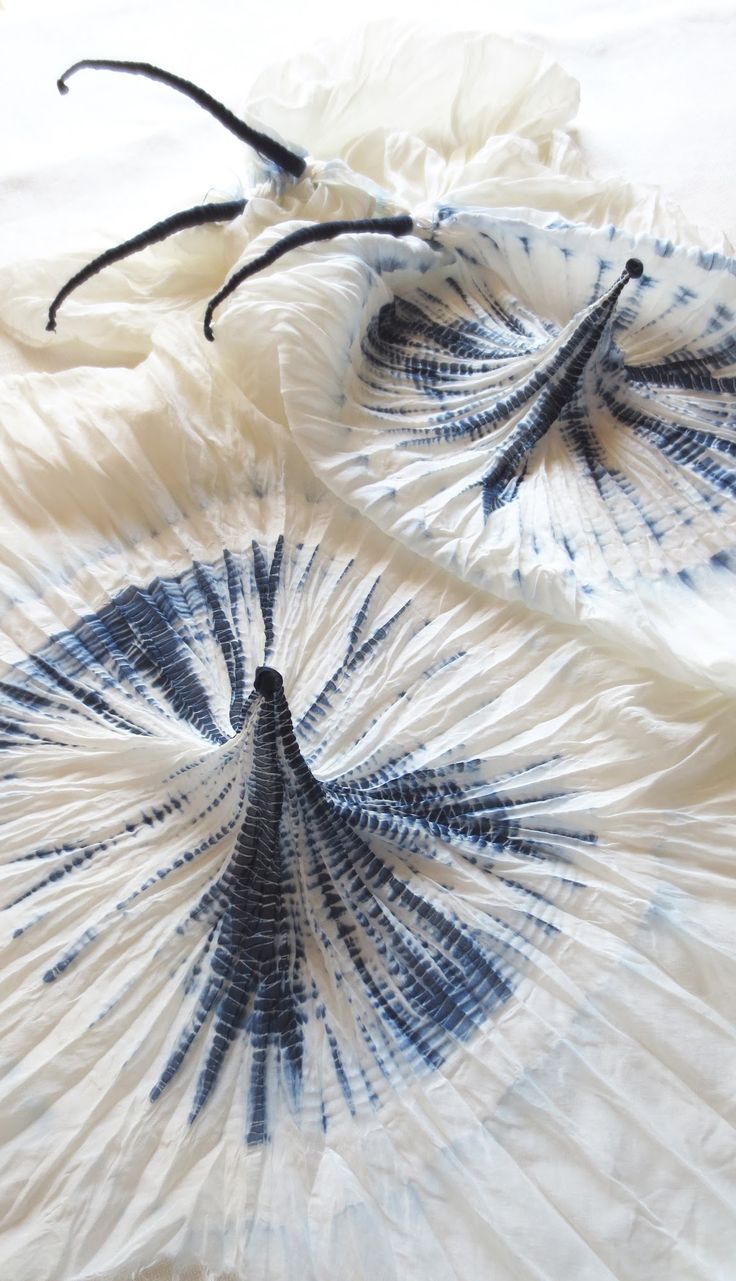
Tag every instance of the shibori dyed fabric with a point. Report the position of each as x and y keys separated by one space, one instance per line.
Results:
x=510 y=402
x=353 y=921
x=359 y=923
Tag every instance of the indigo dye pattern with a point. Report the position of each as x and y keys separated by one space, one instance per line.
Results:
x=326 y=906
x=533 y=405
x=491 y=365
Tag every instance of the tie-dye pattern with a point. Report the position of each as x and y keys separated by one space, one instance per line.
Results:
x=358 y=924
x=313 y=860
x=308 y=884
x=513 y=404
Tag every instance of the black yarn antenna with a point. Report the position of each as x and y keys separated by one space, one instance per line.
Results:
x=401 y=225
x=266 y=147
x=195 y=217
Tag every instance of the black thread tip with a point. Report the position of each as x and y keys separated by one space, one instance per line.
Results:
x=208 y=333
x=50 y=325
x=62 y=86
x=635 y=268
x=267 y=681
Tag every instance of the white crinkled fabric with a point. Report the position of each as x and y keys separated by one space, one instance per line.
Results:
x=367 y=887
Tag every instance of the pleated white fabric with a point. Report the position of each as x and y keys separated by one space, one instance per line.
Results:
x=513 y=405
x=477 y=910
x=364 y=916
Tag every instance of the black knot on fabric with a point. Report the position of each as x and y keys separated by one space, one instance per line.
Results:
x=635 y=268
x=267 y=681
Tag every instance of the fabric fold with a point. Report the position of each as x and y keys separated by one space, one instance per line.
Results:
x=324 y=876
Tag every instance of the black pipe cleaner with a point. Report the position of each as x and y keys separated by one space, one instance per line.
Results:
x=400 y=225
x=268 y=148
x=195 y=217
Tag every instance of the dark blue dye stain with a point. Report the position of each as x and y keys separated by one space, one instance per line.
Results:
x=458 y=342
x=301 y=867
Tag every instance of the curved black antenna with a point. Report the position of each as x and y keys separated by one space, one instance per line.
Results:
x=195 y=217
x=266 y=147
x=401 y=225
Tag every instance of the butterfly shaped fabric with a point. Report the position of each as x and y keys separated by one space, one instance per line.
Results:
x=364 y=915
x=513 y=403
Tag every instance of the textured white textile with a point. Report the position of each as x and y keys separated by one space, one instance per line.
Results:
x=486 y=1025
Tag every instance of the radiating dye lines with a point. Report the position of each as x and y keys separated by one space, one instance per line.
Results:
x=327 y=931
x=491 y=367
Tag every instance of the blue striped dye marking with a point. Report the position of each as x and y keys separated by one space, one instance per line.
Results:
x=456 y=338
x=322 y=906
